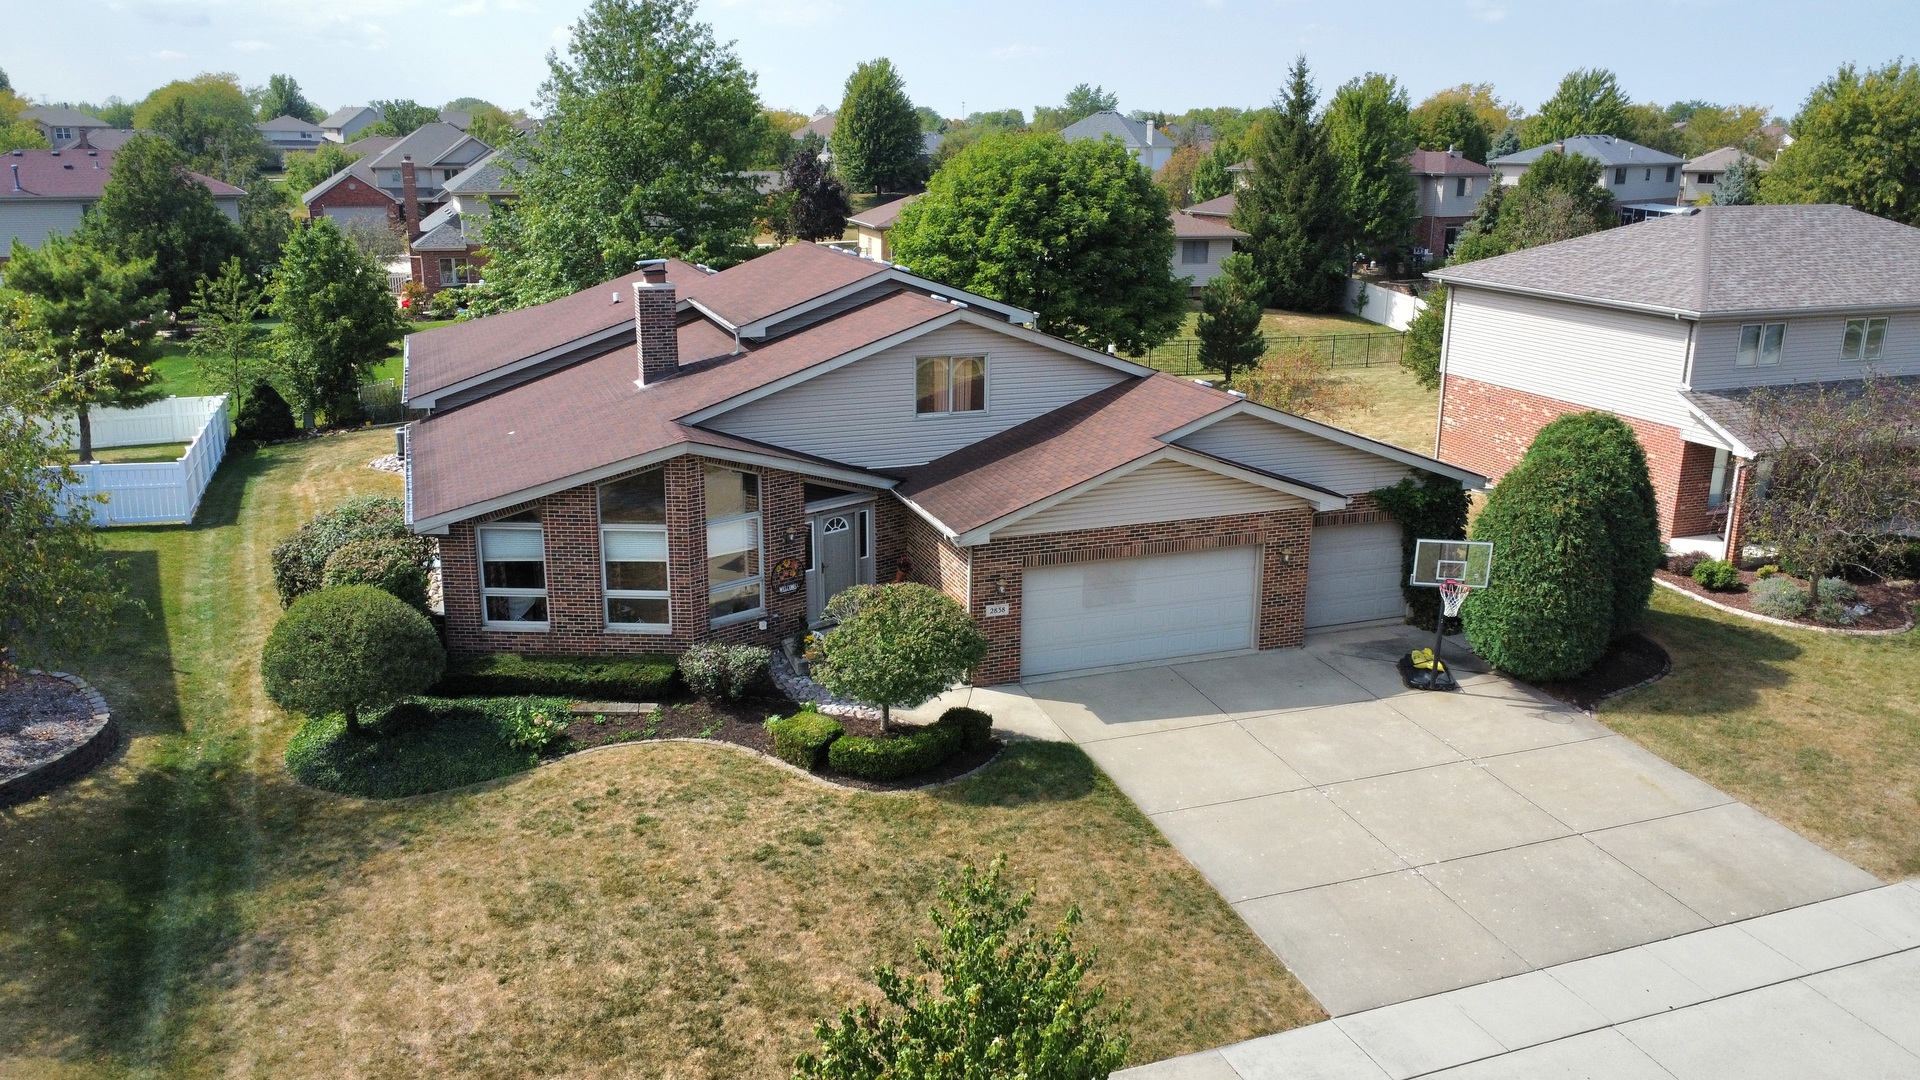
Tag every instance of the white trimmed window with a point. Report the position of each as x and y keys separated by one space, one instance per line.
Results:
x=1864 y=340
x=734 y=586
x=1193 y=252
x=513 y=576
x=1760 y=344
x=1460 y=187
x=950 y=384
x=633 y=553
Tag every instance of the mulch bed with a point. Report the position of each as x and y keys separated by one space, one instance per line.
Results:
x=1629 y=662
x=739 y=722
x=1891 y=600
x=41 y=718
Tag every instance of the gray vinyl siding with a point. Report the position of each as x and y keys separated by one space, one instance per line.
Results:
x=1437 y=198
x=1809 y=352
x=230 y=206
x=1162 y=491
x=1269 y=447
x=1198 y=274
x=32 y=222
x=1619 y=361
x=862 y=414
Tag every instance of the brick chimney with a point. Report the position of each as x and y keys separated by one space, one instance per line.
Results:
x=410 y=197
x=653 y=319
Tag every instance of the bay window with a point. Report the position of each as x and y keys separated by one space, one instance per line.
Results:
x=734 y=585
x=633 y=553
x=513 y=576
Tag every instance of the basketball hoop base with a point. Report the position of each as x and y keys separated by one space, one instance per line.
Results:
x=1418 y=677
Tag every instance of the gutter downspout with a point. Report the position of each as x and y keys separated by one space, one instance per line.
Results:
x=1446 y=341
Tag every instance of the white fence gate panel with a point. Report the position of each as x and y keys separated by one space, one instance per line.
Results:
x=157 y=492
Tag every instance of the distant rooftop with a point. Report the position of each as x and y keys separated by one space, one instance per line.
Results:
x=1610 y=150
x=1134 y=133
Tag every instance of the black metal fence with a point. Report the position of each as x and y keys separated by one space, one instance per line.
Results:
x=1182 y=356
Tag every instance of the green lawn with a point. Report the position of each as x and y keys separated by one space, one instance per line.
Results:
x=128 y=455
x=648 y=910
x=1821 y=732
x=178 y=375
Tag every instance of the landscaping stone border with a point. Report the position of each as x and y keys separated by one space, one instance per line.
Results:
x=803 y=690
x=1788 y=623
x=76 y=762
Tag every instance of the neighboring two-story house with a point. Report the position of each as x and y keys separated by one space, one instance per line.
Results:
x=48 y=192
x=1669 y=324
x=1200 y=244
x=446 y=254
x=63 y=127
x=1642 y=181
x=345 y=125
x=284 y=133
x=1700 y=178
x=1450 y=185
x=397 y=181
x=1147 y=144
x=679 y=455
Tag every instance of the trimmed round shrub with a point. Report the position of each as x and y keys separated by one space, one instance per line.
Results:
x=1717 y=575
x=300 y=560
x=802 y=739
x=1779 y=597
x=976 y=727
x=1612 y=464
x=896 y=645
x=719 y=672
x=1765 y=572
x=891 y=757
x=1549 y=611
x=264 y=416
x=392 y=566
x=349 y=650
x=1836 y=590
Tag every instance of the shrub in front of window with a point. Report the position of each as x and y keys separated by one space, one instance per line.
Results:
x=896 y=645
x=586 y=678
x=349 y=650
x=1778 y=597
x=890 y=757
x=802 y=739
x=720 y=672
x=300 y=560
x=1612 y=464
x=265 y=416
x=392 y=566
x=1717 y=575
x=535 y=725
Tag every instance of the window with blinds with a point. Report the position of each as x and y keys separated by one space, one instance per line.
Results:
x=633 y=553
x=513 y=576
x=734 y=582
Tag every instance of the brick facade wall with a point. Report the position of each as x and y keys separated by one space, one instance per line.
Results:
x=1284 y=536
x=1431 y=232
x=1488 y=428
x=932 y=558
x=352 y=192
x=1692 y=516
x=424 y=266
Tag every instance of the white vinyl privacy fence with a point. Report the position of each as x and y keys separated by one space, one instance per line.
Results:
x=1387 y=307
x=159 y=492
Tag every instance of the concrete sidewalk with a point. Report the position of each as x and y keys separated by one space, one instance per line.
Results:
x=1389 y=844
x=1831 y=989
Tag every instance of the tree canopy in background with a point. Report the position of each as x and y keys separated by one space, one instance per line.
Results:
x=816 y=206
x=649 y=128
x=210 y=121
x=1559 y=197
x=1075 y=231
x=154 y=208
x=337 y=319
x=1082 y=101
x=1294 y=208
x=16 y=132
x=282 y=97
x=876 y=134
x=1856 y=142
x=400 y=116
x=1370 y=133
x=1588 y=102
x=1452 y=124
x=307 y=169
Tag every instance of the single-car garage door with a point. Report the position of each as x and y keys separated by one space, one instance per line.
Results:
x=1353 y=574
x=1123 y=611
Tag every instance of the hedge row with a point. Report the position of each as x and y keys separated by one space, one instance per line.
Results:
x=807 y=738
x=636 y=678
x=802 y=739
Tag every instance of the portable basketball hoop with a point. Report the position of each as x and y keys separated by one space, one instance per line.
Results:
x=1455 y=568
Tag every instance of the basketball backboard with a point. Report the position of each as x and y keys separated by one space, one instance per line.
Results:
x=1435 y=561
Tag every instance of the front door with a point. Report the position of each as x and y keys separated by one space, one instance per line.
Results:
x=842 y=555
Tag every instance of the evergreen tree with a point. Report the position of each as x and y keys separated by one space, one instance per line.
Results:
x=876 y=134
x=1738 y=185
x=1229 y=322
x=95 y=313
x=1301 y=239
x=1420 y=353
x=1613 y=467
x=282 y=97
x=1370 y=133
x=337 y=320
x=1507 y=143
x=1075 y=231
x=1587 y=102
x=650 y=126
x=818 y=208
x=1211 y=178
x=154 y=208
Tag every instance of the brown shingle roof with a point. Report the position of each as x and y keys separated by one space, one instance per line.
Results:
x=780 y=279
x=883 y=216
x=1188 y=227
x=1442 y=163
x=72 y=173
x=1049 y=454
x=1221 y=207
x=591 y=415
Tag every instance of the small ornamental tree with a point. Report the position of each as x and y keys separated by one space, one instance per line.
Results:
x=1613 y=468
x=818 y=206
x=1229 y=322
x=227 y=343
x=995 y=1000
x=1425 y=334
x=896 y=645
x=349 y=649
x=1430 y=508
x=1548 y=613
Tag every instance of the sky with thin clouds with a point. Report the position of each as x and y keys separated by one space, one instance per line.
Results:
x=985 y=54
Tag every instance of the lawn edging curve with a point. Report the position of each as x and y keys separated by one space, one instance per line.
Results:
x=76 y=761
x=1788 y=623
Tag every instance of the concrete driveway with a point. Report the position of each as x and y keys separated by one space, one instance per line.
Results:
x=1389 y=845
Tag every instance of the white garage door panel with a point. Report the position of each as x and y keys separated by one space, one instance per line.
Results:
x=1124 y=611
x=1353 y=574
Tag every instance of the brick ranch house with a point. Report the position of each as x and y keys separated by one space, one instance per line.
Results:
x=1671 y=324
x=680 y=455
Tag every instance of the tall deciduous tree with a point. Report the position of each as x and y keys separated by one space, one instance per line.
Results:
x=1293 y=206
x=818 y=208
x=282 y=97
x=154 y=208
x=1451 y=123
x=210 y=121
x=1176 y=176
x=1494 y=114
x=1857 y=142
x=226 y=343
x=337 y=319
x=1229 y=322
x=876 y=134
x=307 y=169
x=1075 y=231
x=96 y=316
x=1081 y=102
x=1588 y=102
x=650 y=125
x=1210 y=176
x=57 y=589
x=401 y=116
x=1371 y=134
x=16 y=132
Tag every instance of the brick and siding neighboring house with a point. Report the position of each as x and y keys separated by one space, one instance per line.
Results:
x=397 y=182
x=47 y=192
x=1642 y=181
x=679 y=456
x=1200 y=244
x=1449 y=186
x=1670 y=324
x=446 y=254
